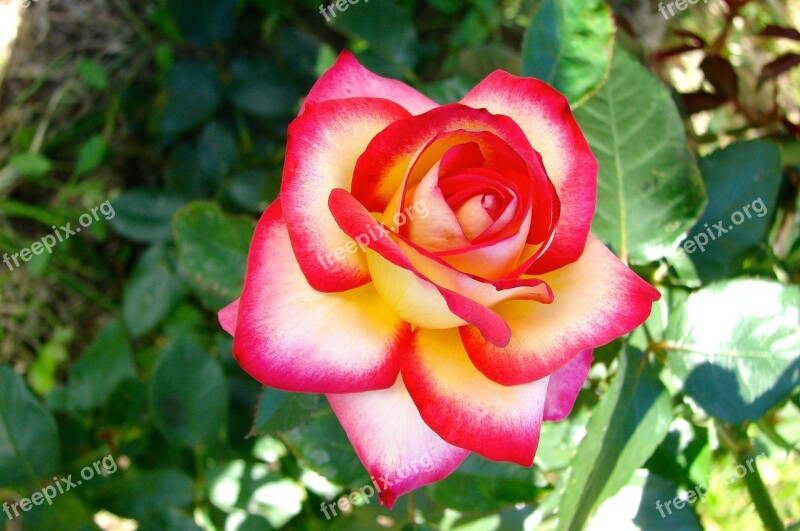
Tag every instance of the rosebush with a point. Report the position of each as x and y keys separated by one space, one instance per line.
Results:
x=449 y=254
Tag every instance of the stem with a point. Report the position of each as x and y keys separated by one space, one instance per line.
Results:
x=759 y=493
x=736 y=441
x=199 y=465
x=776 y=437
x=719 y=42
x=411 y=518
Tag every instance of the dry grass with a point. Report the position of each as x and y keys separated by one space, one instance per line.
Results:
x=41 y=92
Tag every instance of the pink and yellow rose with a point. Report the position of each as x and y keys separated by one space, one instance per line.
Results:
x=435 y=335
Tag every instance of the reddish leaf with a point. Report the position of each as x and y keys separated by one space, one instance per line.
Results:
x=792 y=127
x=780 y=31
x=720 y=73
x=777 y=67
x=735 y=5
x=695 y=102
x=624 y=24
x=677 y=50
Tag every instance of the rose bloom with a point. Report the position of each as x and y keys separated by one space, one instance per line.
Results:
x=430 y=269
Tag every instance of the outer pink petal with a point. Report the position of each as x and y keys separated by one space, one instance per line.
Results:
x=467 y=409
x=596 y=300
x=323 y=146
x=398 y=449
x=545 y=118
x=227 y=317
x=292 y=337
x=564 y=385
x=348 y=79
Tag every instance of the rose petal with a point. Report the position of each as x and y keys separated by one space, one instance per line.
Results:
x=461 y=157
x=596 y=300
x=564 y=386
x=493 y=259
x=392 y=441
x=545 y=117
x=467 y=409
x=292 y=337
x=487 y=292
x=227 y=317
x=347 y=78
x=415 y=145
x=446 y=307
x=440 y=229
x=321 y=152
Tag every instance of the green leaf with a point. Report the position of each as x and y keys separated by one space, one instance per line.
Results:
x=269 y=403
x=448 y=90
x=68 y=512
x=558 y=440
x=164 y=56
x=569 y=44
x=212 y=247
x=204 y=22
x=93 y=74
x=188 y=394
x=480 y=485
x=246 y=189
x=322 y=445
x=152 y=292
x=389 y=33
x=626 y=426
x=742 y=183
x=42 y=372
x=194 y=92
x=168 y=519
x=258 y=87
x=183 y=175
x=734 y=345
x=103 y=367
x=91 y=155
x=649 y=188
x=29 y=443
x=649 y=493
x=31 y=164
x=279 y=410
x=217 y=152
x=143 y=495
x=478 y=61
x=145 y=214
x=446 y=6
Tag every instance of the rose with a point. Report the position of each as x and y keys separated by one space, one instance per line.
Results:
x=454 y=332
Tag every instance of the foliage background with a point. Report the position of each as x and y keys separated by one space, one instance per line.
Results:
x=176 y=111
